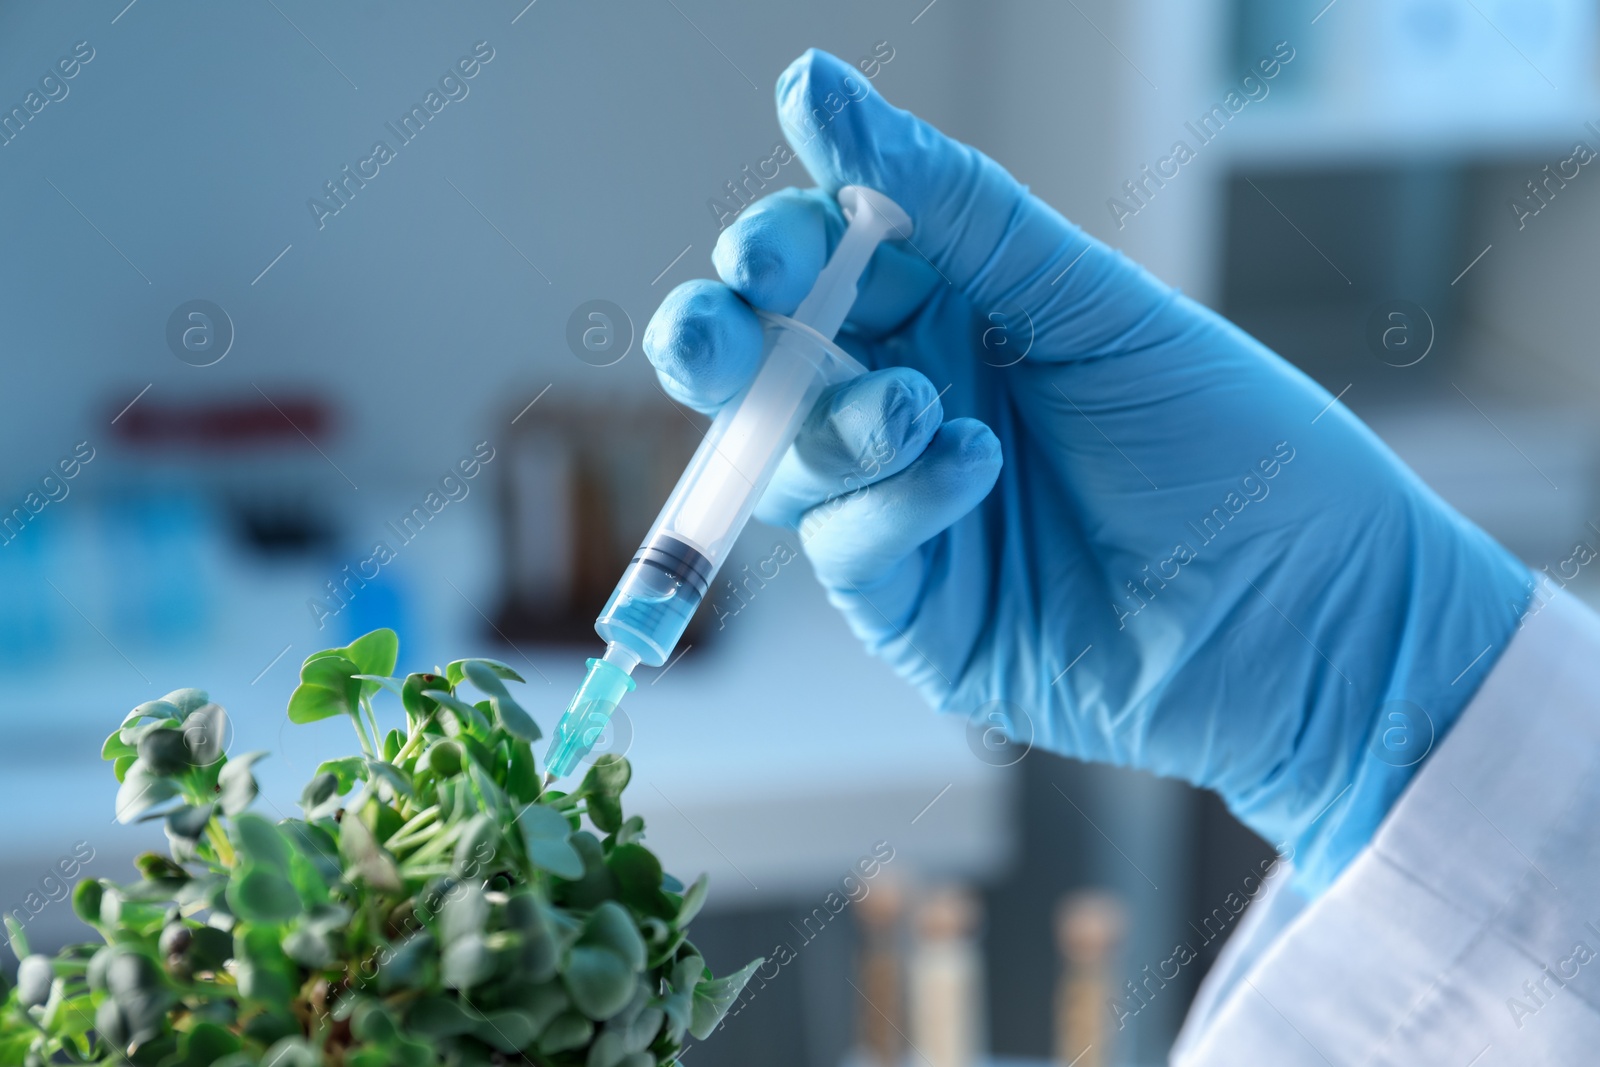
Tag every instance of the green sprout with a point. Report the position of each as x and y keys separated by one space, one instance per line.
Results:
x=433 y=905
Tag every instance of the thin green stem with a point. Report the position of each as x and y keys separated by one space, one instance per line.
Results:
x=361 y=732
x=416 y=841
x=372 y=716
x=414 y=742
x=420 y=827
x=423 y=862
x=220 y=843
x=436 y=846
x=436 y=870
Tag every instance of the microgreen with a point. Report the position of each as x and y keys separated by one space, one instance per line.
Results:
x=430 y=904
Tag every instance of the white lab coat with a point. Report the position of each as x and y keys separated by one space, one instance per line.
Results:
x=1467 y=933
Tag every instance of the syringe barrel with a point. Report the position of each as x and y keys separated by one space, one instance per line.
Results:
x=673 y=569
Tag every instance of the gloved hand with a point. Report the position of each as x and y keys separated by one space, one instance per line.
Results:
x=1152 y=539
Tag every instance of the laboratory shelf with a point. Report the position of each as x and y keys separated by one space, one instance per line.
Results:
x=1304 y=134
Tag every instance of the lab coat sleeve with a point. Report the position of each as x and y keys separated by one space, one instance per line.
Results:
x=1468 y=931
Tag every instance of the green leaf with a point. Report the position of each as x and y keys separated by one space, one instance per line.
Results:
x=205 y=734
x=547 y=835
x=371 y=1022
x=115 y=747
x=189 y=821
x=397 y=779
x=457 y=670
x=292 y=1052
x=309 y=947
x=383 y=819
x=158 y=710
x=237 y=784
x=567 y=1031
x=68 y=1015
x=187 y=701
x=348 y=769
x=687 y=973
x=522 y=773
x=142 y=790
x=435 y=1017
x=471 y=717
x=307 y=877
x=516 y=722
x=467 y=962
x=610 y=927
x=15 y=1047
x=397 y=686
x=639 y=880
x=263 y=970
x=418 y=706
x=86 y=900
x=597 y=885
x=138 y=986
x=693 y=900
x=444 y=758
x=636 y=1025
x=540 y=951
x=608 y=1049
x=465 y=913
x=477 y=750
x=361 y=851
x=326 y=689
x=410 y=966
x=713 y=998
x=608 y=776
x=475 y=847
x=260 y=841
x=374 y=653
x=120 y=767
x=272 y=1024
x=117 y=909
x=158 y=868
x=317 y=849
x=210 y=948
x=506 y=1030
x=163 y=752
x=606 y=813
x=260 y=894
x=393 y=742
x=320 y=796
x=541 y=1002
x=600 y=982
x=35 y=975
x=206 y=1043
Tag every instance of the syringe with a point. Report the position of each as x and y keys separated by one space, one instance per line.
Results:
x=674 y=568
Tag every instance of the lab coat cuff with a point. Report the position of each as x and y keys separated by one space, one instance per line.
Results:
x=1461 y=933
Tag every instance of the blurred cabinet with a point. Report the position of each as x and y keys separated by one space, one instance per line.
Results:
x=581 y=483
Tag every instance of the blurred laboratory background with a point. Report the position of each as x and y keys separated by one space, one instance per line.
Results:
x=269 y=381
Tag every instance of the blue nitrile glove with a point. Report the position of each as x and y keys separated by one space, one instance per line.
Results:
x=1239 y=574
